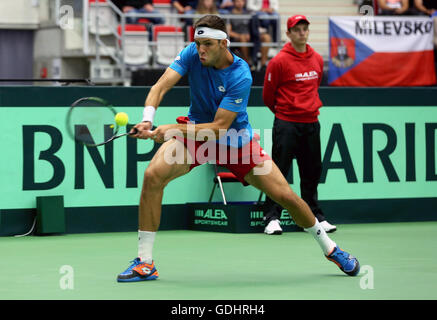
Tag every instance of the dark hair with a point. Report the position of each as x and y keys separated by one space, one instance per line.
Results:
x=212 y=21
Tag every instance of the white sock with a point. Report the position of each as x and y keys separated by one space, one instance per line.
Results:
x=322 y=238
x=145 y=245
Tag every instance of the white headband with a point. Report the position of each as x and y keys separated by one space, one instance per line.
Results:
x=205 y=32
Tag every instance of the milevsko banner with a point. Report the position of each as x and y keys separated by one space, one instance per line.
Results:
x=381 y=51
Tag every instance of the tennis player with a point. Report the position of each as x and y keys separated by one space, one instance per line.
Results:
x=220 y=85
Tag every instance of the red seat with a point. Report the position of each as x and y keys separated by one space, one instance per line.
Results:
x=164 y=28
x=226 y=176
x=144 y=21
x=136 y=44
x=132 y=27
x=170 y=40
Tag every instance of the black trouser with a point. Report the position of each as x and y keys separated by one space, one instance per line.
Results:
x=300 y=141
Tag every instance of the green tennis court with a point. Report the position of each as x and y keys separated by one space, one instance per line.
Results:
x=398 y=262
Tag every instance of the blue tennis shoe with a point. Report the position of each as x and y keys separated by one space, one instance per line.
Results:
x=345 y=261
x=138 y=271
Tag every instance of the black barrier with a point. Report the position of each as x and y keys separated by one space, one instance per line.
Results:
x=23 y=96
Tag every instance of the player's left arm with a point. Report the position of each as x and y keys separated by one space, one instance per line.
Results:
x=213 y=130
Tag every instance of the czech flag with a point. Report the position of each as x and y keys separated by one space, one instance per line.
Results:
x=381 y=51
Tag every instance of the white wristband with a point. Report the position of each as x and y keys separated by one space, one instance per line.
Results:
x=149 y=114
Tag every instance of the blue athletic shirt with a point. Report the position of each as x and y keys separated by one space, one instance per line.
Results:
x=211 y=89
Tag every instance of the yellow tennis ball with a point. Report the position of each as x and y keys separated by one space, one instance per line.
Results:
x=121 y=119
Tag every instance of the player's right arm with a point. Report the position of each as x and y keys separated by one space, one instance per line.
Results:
x=167 y=81
x=180 y=66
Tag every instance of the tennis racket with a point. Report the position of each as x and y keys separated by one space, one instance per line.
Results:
x=90 y=121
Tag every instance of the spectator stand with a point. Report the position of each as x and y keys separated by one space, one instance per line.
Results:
x=131 y=50
x=93 y=46
x=100 y=19
x=317 y=11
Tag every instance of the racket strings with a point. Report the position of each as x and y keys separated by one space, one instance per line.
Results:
x=91 y=121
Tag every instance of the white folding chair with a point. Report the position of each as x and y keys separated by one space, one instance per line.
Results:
x=136 y=45
x=168 y=46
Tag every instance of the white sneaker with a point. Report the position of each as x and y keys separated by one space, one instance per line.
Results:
x=273 y=227
x=328 y=227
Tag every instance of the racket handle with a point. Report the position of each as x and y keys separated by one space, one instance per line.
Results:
x=135 y=131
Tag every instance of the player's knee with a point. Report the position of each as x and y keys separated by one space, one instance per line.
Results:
x=152 y=179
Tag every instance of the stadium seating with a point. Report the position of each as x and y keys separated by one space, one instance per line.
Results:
x=169 y=42
x=136 y=44
x=107 y=18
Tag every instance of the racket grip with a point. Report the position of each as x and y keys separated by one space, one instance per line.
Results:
x=135 y=131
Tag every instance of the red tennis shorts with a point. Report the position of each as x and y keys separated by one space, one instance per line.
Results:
x=239 y=161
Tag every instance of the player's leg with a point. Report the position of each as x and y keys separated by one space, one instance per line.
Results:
x=273 y=183
x=163 y=168
x=276 y=187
